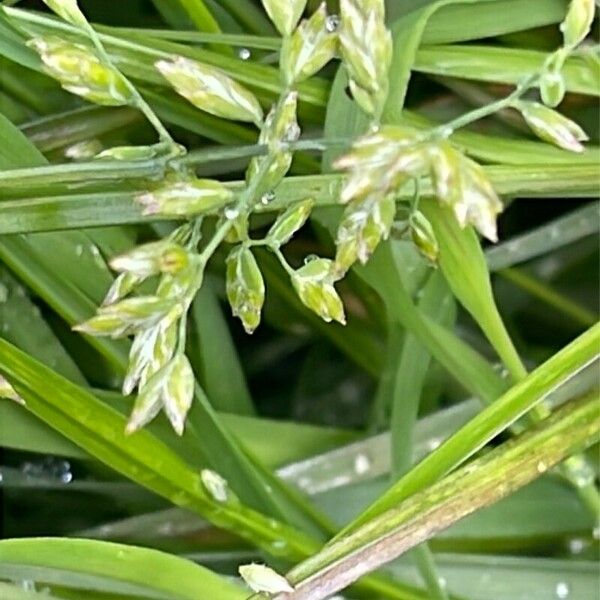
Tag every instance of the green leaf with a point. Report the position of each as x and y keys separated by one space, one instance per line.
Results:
x=463 y=264
x=100 y=430
x=116 y=568
x=504 y=65
x=519 y=399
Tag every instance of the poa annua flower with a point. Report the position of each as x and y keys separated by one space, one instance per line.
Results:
x=126 y=316
x=122 y=286
x=366 y=46
x=245 y=287
x=477 y=203
x=289 y=222
x=261 y=578
x=380 y=163
x=550 y=126
x=366 y=222
x=423 y=236
x=152 y=258
x=81 y=72
x=308 y=49
x=578 y=22
x=211 y=90
x=185 y=197
x=280 y=128
x=314 y=285
x=285 y=15
x=171 y=388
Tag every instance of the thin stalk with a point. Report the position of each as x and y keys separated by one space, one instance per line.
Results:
x=138 y=100
x=485 y=111
x=546 y=294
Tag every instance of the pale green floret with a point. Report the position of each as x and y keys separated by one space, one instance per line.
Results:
x=261 y=578
x=314 y=285
x=245 y=287
x=153 y=258
x=423 y=236
x=289 y=222
x=550 y=126
x=366 y=47
x=578 y=22
x=185 y=197
x=380 y=163
x=366 y=222
x=81 y=72
x=211 y=90
x=126 y=316
x=308 y=49
x=280 y=128
x=285 y=15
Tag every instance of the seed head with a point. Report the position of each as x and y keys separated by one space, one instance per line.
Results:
x=152 y=258
x=314 y=285
x=245 y=287
x=285 y=15
x=261 y=578
x=81 y=72
x=211 y=90
x=308 y=49
x=185 y=197
x=366 y=47
x=365 y=224
x=550 y=126
x=289 y=222
x=423 y=236
x=578 y=22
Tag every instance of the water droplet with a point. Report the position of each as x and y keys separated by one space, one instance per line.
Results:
x=596 y=532
x=332 y=22
x=554 y=233
x=79 y=250
x=362 y=464
x=576 y=545
x=310 y=258
x=231 y=213
x=562 y=590
x=443 y=583
x=267 y=198
x=433 y=444
x=244 y=53
x=541 y=467
x=166 y=529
